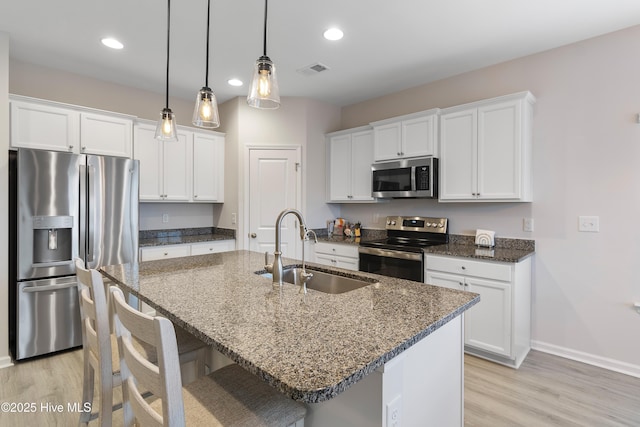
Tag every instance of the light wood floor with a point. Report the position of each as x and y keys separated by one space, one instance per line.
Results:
x=545 y=391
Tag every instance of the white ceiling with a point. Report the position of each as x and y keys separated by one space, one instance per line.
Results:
x=388 y=45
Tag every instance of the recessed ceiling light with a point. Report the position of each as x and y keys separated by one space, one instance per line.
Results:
x=235 y=82
x=333 y=34
x=112 y=43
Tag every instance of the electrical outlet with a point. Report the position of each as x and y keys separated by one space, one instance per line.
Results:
x=527 y=224
x=234 y=218
x=394 y=412
x=165 y=218
x=589 y=223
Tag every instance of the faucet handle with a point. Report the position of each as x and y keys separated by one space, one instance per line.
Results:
x=267 y=266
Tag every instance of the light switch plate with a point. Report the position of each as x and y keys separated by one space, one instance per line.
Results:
x=527 y=224
x=589 y=223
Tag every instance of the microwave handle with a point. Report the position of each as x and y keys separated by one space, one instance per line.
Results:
x=413 y=179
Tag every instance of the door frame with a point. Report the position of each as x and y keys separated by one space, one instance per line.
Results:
x=243 y=201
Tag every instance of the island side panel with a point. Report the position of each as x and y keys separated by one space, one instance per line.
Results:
x=424 y=385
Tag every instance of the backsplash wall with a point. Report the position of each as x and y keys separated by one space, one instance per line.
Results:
x=181 y=215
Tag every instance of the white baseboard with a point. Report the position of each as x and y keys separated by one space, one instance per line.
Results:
x=5 y=362
x=590 y=359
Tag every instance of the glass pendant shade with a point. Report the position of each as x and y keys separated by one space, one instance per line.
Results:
x=264 y=92
x=205 y=114
x=166 y=128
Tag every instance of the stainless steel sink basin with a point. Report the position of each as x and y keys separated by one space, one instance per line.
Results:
x=322 y=281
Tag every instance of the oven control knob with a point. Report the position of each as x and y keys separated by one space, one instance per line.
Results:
x=428 y=224
x=434 y=225
x=393 y=222
x=388 y=222
x=440 y=225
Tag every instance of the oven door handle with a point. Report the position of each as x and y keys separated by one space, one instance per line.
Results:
x=389 y=253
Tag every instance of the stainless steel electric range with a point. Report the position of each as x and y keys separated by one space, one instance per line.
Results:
x=401 y=254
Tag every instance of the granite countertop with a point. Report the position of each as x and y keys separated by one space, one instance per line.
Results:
x=183 y=236
x=505 y=250
x=310 y=347
x=178 y=240
x=472 y=251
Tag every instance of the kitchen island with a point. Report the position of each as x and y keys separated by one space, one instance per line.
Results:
x=393 y=349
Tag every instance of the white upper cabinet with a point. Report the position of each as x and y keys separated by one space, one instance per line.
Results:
x=47 y=125
x=208 y=167
x=485 y=150
x=412 y=135
x=105 y=135
x=189 y=170
x=350 y=155
x=164 y=166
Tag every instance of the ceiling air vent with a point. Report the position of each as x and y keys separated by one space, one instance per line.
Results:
x=313 y=69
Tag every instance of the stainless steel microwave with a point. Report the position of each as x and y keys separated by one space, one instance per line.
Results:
x=408 y=178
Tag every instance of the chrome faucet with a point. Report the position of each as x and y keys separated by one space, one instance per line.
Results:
x=276 y=267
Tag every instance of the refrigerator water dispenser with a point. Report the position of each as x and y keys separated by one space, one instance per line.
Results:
x=52 y=240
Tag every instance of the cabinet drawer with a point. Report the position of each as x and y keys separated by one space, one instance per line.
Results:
x=164 y=252
x=487 y=270
x=212 y=247
x=346 y=250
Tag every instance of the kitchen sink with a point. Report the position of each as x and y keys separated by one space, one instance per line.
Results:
x=323 y=281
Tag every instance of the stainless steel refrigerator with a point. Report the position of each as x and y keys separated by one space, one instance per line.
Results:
x=63 y=206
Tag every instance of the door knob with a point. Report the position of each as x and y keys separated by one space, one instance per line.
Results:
x=253 y=235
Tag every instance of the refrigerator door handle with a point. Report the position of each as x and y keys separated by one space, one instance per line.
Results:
x=48 y=288
x=83 y=212
x=91 y=214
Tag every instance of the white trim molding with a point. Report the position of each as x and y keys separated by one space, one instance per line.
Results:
x=5 y=362
x=590 y=359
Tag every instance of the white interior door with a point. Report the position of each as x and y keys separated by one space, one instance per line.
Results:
x=274 y=185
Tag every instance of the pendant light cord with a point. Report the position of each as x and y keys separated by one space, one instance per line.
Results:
x=265 y=26
x=206 y=77
x=168 y=39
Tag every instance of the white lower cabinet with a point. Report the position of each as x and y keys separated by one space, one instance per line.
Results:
x=337 y=255
x=497 y=328
x=153 y=253
x=212 y=247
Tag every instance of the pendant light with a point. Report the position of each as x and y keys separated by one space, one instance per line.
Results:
x=205 y=114
x=264 y=92
x=166 y=129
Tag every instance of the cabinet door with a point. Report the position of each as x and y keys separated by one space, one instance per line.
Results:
x=361 y=160
x=340 y=168
x=105 y=135
x=148 y=151
x=177 y=167
x=208 y=168
x=488 y=323
x=419 y=137
x=387 y=141
x=153 y=253
x=325 y=259
x=212 y=247
x=458 y=157
x=44 y=127
x=347 y=263
x=499 y=151
x=450 y=281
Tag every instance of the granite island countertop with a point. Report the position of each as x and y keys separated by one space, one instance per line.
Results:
x=310 y=347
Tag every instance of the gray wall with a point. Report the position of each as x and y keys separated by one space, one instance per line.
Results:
x=586 y=150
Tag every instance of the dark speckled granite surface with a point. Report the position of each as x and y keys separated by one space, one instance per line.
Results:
x=506 y=250
x=310 y=347
x=184 y=235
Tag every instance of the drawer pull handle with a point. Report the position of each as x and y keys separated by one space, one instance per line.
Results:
x=464 y=268
x=166 y=253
